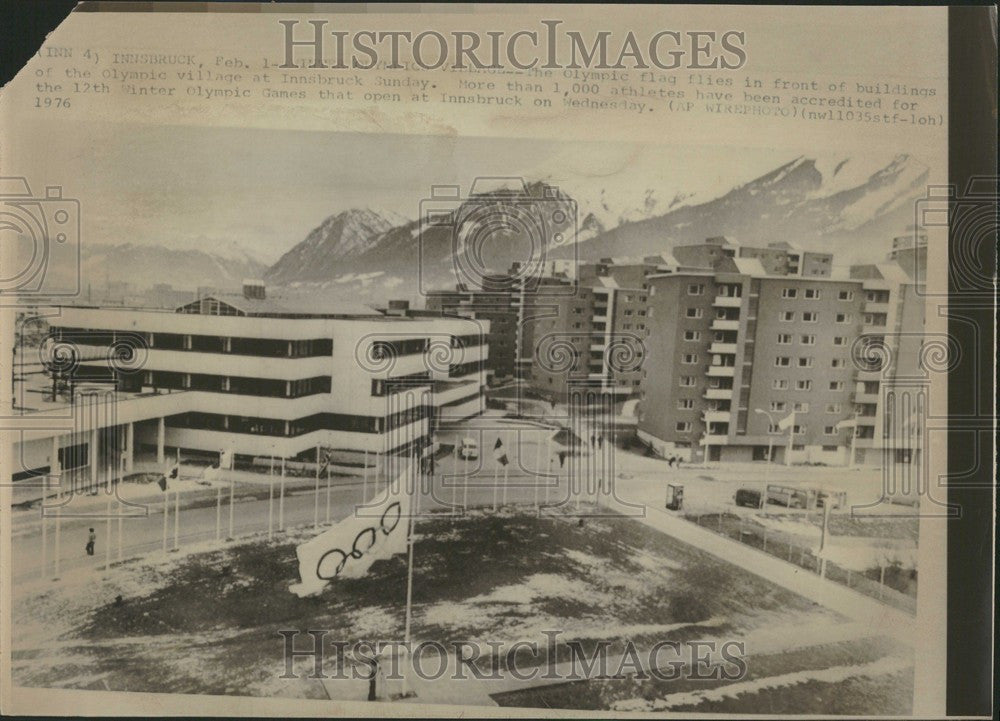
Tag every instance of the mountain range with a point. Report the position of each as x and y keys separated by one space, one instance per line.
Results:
x=851 y=206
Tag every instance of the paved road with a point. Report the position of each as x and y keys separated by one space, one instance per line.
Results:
x=144 y=534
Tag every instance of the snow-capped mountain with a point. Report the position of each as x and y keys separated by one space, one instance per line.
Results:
x=340 y=236
x=143 y=266
x=858 y=205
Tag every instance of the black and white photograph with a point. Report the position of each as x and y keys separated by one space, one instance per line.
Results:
x=474 y=422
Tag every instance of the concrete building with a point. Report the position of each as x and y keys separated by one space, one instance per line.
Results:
x=506 y=302
x=599 y=332
x=246 y=373
x=734 y=349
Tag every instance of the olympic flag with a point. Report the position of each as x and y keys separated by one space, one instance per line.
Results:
x=350 y=547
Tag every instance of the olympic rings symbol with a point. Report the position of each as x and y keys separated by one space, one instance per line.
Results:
x=336 y=559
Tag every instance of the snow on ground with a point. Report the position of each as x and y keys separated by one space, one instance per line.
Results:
x=834 y=674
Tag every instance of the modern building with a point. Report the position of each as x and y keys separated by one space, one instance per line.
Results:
x=739 y=345
x=507 y=302
x=598 y=333
x=245 y=373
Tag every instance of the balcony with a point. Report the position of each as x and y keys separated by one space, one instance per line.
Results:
x=719 y=394
x=877 y=307
x=727 y=301
x=716 y=440
x=722 y=348
x=721 y=371
x=723 y=324
x=597 y=347
x=717 y=416
x=599 y=319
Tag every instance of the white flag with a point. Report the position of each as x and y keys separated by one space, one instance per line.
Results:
x=785 y=423
x=349 y=548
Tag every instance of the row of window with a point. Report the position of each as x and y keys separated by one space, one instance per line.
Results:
x=687 y=404
x=240 y=385
x=300 y=426
x=382 y=386
x=235 y=345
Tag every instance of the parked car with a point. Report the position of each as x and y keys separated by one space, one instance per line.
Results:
x=749 y=497
x=791 y=496
x=469 y=450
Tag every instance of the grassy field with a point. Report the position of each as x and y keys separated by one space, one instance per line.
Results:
x=207 y=621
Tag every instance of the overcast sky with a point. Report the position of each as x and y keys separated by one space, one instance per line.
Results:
x=265 y=190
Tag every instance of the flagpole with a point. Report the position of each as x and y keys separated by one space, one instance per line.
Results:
x=496 y=468
x=791 y=437
x=364 y=494
x=232 y=493
x=854 y=438
x=327 y=492
x=505 y=486
x=177 y=516
x=166 y=516
x=218 y=513
x=316 y=494
x=281 y=498
x=465 y=487
x=409 y=598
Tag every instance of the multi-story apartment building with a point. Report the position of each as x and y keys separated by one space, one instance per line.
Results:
x=598 y=333
x=253 y=375
x=910 y=251
x=507 y=302
x=736 y=347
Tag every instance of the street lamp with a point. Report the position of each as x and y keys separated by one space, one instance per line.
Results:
x=770 y=452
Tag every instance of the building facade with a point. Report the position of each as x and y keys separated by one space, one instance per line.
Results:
x=254 y=376
x=754 y=356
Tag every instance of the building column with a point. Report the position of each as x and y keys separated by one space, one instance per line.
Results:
x=161 y=437
x=129 y=447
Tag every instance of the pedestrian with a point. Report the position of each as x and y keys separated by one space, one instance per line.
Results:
x=91 y=540
x=670 y=461
x=678 y=461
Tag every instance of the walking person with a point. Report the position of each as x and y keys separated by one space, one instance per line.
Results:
x=91 y=540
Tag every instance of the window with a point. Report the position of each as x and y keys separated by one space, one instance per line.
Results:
x=839 y=340
x=683 y=426
x=837 y=362
x=693 y=313
x=830 y=430
x=696 y=289
x=810 y=317
x=836 y=385
x=778 y=405
x=805 y=385
x=787 y=316
x=808 y=340
x=829 y=449
x=689 y=358
x=806 y=362
x=798 y=430
x=692 y=335
x=843 y=317
x=772 y=428
x=687 y=381
x=788 y=292
x=845 y=295
x=780 y=385
x=628 y=312
x=801 y=407
x=812 y=293
x=833 y=408
x=784 y=338
x=685 y=404
x=782 y=361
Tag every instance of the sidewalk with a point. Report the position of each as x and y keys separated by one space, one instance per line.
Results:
x=877 y=617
